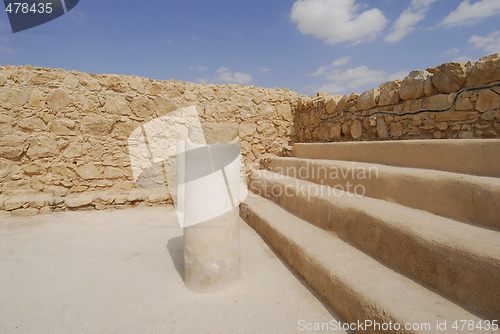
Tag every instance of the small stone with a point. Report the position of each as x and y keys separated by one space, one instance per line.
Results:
x=42 y=146
x=368 y=99
x=412 y=87
x=88 y=172
x=396 y=130
x=58 y=100
x=79 y=200
x=382 y=128
x=487 y=100
x=96 y=125
x=25 y=212
x=335 y=131
x=449 y=77
x=346 y=129
x=11 y=146
x=356 y=129
x=389 y=93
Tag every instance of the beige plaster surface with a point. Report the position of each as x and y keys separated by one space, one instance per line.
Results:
x=120 y=271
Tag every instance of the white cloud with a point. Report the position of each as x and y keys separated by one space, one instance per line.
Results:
x=263 y=69
x=453 y=51
x=489 y=43
x=408 y=19
x=398 y=75
x=5 y=49
x=340 y=81
x=337 y=21
x=341 y=61
x=462 y=59
x=337 y=62
x=467 y=14
x=198 y=67
x=354 y=79
x=320 y=71
x=225 y=76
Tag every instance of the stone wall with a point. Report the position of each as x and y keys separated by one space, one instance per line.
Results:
x=396 y=109
x=63 y=135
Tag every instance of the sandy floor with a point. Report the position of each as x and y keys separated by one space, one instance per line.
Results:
x=120 y=271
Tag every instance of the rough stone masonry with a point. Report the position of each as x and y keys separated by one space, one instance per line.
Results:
x=63 y=135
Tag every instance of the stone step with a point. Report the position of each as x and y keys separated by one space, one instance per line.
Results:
x=467 y=156
x=467 y=198
x=459 y=260
x=358 y=287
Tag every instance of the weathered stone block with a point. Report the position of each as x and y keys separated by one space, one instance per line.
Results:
x=449 y=77
x=487 y=100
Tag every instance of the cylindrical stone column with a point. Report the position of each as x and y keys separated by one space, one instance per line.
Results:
x=210 y=205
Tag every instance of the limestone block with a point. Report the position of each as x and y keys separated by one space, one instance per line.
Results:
x=453 y=116
x=15 y=202
x=113 y=173
x=436 y=102
x=342 y=104
x=382 y=128
x=42 y=146
x=285 y=111
x=32 y=124
x=463 y=103
x=335 y=131
x=97 y=125
x=113 y=82
x=412 y=87
x=368 y=99
x=90 y=83
x=389 y=93
x=164 y=106
x=396 y=130
x=154 y=89
x=323 y=133
x=58 y=100
x=484 y=71
x=6 y=167
x=449 y=77
x=71 y=82
x=10 y=97
x=266 y=110
x=143 y=107
x=3 y=80
x=79 y=200
x=5 y=124
x=219 y=132
x=487 y=100
x=37 y=99
x=346 y=129
x=25 y=212
x=74 y=150
x=247 y=130
x=356 y=129
x=116 y=104
x=136 y=83
x=88 y=171
x=63 y=127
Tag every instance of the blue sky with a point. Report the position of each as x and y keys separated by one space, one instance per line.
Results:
x=333 y=46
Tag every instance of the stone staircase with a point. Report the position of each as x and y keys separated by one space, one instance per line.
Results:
x=405 y=232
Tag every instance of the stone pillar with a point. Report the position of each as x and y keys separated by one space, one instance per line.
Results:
x=209 y=198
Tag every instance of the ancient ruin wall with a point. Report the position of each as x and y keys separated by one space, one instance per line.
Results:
x=63 y=135
x=462 y=101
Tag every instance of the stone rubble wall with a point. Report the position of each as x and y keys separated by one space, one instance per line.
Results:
x=475 y=114
x=63 y=135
